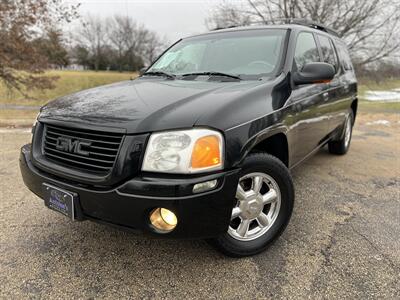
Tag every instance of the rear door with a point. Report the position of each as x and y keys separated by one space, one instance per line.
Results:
x=309 y=121
x=347 y=90
x=336 y=104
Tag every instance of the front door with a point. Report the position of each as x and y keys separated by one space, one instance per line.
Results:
x=310 y=124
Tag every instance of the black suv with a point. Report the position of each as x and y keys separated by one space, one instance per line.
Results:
x=201 y=144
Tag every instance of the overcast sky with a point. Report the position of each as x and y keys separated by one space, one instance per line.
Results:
x=170 y=18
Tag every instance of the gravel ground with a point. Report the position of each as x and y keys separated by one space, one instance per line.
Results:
x=343 y=240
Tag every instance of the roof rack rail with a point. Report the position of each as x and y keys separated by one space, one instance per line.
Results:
x=312 y=24
x=296 y=21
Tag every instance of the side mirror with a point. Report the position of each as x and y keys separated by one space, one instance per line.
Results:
x=316 y=72
x=142 y=70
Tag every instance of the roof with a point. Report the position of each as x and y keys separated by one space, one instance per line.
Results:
x=291 y=23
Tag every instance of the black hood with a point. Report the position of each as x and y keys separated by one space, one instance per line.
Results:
x=152 y=104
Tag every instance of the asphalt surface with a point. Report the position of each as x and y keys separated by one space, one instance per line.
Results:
x=343 y=240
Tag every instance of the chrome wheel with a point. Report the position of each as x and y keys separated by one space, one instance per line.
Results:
x=347 y=133
x=258 y=204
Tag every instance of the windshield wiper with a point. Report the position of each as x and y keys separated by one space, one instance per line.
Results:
x=160 y=73
x=212 y=73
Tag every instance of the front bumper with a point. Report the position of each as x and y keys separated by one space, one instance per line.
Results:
x=200 y=215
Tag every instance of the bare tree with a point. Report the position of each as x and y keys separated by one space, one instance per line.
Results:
x=93 y=36
x=21 y=22
x=153 y=46
x=369 y=27
x=119 y=30
x=133 y=44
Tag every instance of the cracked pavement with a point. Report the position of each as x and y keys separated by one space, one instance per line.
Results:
x=343 y=240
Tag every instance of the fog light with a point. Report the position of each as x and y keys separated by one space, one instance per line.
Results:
x=204 y=186
x=163 y=219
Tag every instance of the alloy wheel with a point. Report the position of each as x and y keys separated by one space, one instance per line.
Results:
x=258 y=204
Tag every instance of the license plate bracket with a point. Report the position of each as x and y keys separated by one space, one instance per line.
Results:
x=60 y=200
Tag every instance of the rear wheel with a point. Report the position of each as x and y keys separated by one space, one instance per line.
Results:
x=341 y=146
x=264 y=203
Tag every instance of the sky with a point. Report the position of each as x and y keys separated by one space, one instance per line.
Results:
x=172 y=19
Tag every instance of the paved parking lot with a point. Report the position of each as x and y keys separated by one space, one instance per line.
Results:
x=343 y=240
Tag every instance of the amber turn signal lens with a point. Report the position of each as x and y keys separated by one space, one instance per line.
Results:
x=206 y=152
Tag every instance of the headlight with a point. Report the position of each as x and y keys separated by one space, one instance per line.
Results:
x=186 y=151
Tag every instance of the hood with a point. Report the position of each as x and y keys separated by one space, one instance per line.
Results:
x=152 y=104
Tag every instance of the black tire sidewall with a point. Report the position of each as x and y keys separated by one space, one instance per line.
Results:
x=339 y=146
x=346 y=147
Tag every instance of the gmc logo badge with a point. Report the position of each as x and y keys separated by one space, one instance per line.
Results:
x=72 y=146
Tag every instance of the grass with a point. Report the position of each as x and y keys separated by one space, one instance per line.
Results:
x=370 y=85
x=372 y=106
x=384 y=107
x=68 y=82
x=13 y=117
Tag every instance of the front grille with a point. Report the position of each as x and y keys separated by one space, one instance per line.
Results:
x=86 y=150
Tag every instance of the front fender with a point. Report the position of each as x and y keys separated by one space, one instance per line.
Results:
x=241 y=140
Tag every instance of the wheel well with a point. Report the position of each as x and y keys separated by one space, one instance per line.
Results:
x=354 y=106
x=275 y=145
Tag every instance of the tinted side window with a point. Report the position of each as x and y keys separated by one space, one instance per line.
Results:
x=306 y=50
x=344 y=57
x=328 y=52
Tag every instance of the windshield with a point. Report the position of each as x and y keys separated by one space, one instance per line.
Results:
x=248 y=54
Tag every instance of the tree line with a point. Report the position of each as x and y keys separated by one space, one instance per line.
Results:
x=115 y=43
x=370 y=28
x=32 y=39
x=22 y=51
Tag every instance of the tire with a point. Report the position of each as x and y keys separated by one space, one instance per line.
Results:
x=340 y=147
x=275 y=180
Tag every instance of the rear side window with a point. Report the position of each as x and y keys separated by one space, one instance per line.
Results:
x=306 y=50
x=328 y=51
x=344 y=57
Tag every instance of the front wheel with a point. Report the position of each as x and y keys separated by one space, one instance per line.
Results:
x=264 y=203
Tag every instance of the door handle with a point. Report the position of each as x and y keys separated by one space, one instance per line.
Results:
x=325 y=96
